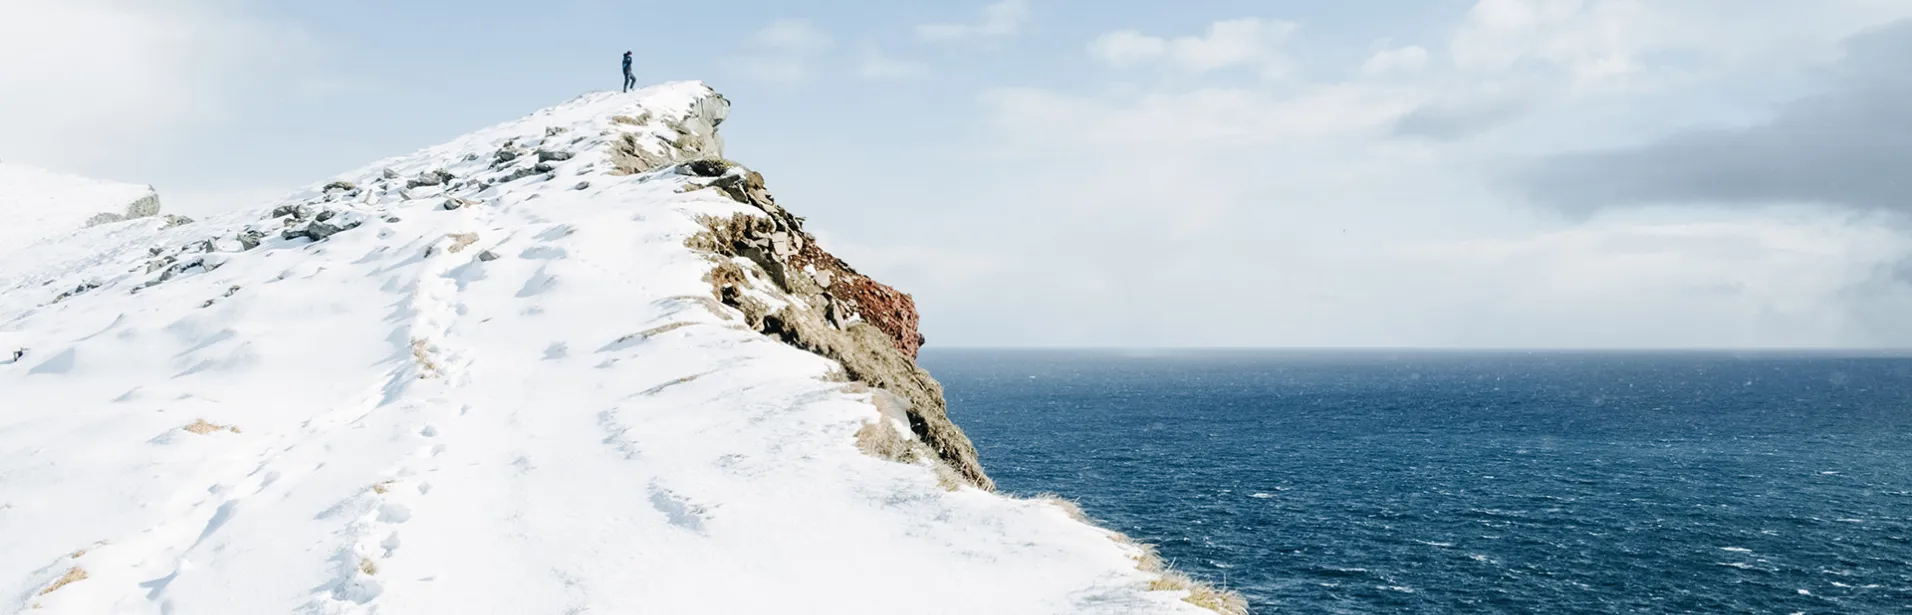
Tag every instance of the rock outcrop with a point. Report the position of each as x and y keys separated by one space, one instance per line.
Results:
x=790 y=288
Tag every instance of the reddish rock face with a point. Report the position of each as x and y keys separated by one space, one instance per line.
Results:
x=889 y=310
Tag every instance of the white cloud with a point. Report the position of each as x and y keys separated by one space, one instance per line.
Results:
x=1193 y=117
x=791 y=35
x=1250 y=42
x=1295 y=203
x=1386 y=60
x=875 y=65
x=86 y=78
x=783 y=52
x=1000 y=20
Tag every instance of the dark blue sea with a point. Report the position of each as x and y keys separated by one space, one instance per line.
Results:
x=1428 y=482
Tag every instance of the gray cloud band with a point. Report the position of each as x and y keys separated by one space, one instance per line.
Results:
x=1849 y=146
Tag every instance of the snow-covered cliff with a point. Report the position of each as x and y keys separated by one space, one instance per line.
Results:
x=573 y=363
x=37 y=204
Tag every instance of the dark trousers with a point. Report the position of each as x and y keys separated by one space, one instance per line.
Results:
x=629 y=81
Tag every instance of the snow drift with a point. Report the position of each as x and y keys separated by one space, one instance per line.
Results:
x=574 y=363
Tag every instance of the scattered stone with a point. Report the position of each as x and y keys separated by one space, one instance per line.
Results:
x=341 y=185
x=316 y=231
x=172 y=220
x=286 y=210
x=554 y=131
x=505 y=155
x=471 y=157
x=389 y=173
x=455 y=203
x=487 y=256
x=76 y=290
x=537 y=169
x=391 y=219
x=325 y=215
x=160 y=263
x=249 y=239
x=553 y=156
x=581 y=186
x=434 y=178
x=706 y=167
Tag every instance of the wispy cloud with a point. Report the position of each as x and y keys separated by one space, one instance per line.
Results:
x=783 y=52
x=875 y=65
x=1000 y=20
x=1250 y=42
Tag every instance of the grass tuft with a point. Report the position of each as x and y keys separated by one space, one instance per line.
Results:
x=73 y=575
x=201 y=427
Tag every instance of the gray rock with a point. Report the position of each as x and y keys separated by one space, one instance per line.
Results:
x=389 y=174
x=554 y=131
x=433 y=178
x=553 y=156
x=705 y=167
x=522 y=173
x=146 y=206
x=487 y=256
x=317 y=231
x=342 y=186
x=581 y=186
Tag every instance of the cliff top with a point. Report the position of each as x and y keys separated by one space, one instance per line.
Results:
x=575 y=362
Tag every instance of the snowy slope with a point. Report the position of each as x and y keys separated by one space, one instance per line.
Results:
x=36 y=204
x=526 y=403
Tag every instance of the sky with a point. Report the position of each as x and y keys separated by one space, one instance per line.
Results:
x=1381 y=173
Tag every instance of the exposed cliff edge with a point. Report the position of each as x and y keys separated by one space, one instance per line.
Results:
x=576 y=362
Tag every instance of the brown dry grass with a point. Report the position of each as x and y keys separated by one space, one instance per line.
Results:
x=460 y=241
x=1147 y=560
x=73 y=575
x=368 y=566
x=1201 y=594
x=201 y=427
x=1068 y=506
x=382 y=487
x=421 y=354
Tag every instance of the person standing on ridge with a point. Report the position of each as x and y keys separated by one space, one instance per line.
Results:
x=629 y=81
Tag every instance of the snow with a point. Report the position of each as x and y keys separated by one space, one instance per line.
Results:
x=398 y=423
x=36 y=204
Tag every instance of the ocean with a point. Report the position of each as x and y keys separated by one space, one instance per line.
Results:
x=1450 y=482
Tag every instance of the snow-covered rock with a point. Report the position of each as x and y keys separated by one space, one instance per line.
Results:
x=37 y=204
x=605 y=381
